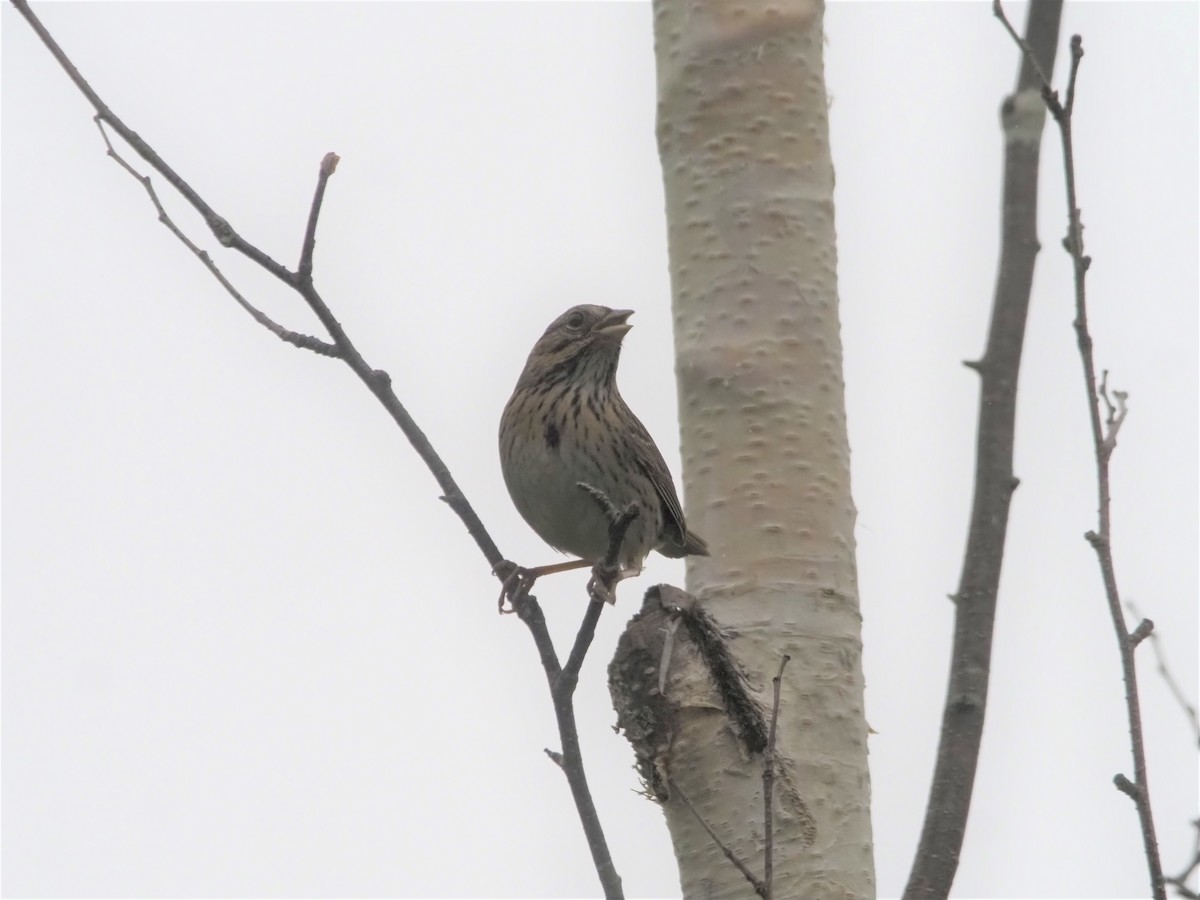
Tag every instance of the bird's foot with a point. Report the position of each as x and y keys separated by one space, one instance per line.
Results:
x=602 y=586
x=517 y=580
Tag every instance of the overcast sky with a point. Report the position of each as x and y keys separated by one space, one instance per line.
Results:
x=246 y=650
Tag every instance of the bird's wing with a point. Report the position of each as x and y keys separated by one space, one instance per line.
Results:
x=652 y=464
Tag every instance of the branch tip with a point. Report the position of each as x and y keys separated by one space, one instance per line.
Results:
x=1144 y=630
x=1126 y=787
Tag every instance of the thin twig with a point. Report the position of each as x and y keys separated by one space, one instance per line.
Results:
x=572 y=762
x=1144 y=629
x=529 y=611
x=380 y=384
x=563 y=679
x=769 y=786
x=1126 y=787
x=1164 y=670
x=618 y=527
x=304 y=269
x=944 y=828
x=303 y=341
x=221 y=229
x=377 y=381
x=1114 y=413
x=755 y=882
x=1138 y=789
x=1030 y=57
x=569 y=677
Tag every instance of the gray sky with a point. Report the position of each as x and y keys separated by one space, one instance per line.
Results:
x=246 y=651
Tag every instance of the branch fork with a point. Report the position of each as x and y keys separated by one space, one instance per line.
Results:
x=561 y=679
x=1104 y=440
x=516 y=581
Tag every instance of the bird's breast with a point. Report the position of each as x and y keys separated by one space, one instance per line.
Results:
x=545 y=456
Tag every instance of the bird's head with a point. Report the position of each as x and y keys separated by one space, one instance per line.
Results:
x=584 y=342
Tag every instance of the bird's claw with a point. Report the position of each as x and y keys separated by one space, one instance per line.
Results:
x=603 y=583
x=515 y=586
x=599 y=591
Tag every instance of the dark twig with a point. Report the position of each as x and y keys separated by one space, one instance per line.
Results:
x=303 y=341
x=1144 y=629
x=376 y=381
x=563 y=680
x=1164 y=670
x=380 y=384
x=304 y=270
x=569 y=676
x=769 y=786
x=571 y=759
x=1126 y=787
x=221 y=229
x=529 y=611
x=759 y=887
x=937 y=856
x=1115 y=413
x=1103 y=445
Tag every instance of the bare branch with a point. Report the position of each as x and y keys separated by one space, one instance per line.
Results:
x=563 y=680
x=1115 y=414
x=1076 y=59
x=564 y=685
x=1103 y=444
x=1030 y=57
x=380 y=384
x=1144 y=630
x=571 y=759
x=769 y=786
x=759 y=887
x=376 y=380
x=1126 y=787
x=303 y=341
x=220 y=228
x=1023 y=117
x=605 y=577
x=304 y=270
x=1164 y=670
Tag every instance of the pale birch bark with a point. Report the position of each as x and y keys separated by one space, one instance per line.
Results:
x=744 y=142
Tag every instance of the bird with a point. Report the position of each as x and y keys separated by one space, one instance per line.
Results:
x=566 y=424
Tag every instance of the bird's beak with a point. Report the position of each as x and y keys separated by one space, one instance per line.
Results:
x=615 y=324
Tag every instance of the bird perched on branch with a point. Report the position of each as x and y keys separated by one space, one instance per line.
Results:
x=566 y=424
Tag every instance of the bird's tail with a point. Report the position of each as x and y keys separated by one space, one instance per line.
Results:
x=693 y=545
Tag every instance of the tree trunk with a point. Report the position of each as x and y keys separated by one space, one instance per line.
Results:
x=744 y=142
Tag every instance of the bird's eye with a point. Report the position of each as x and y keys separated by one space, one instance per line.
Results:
x=575 y=320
